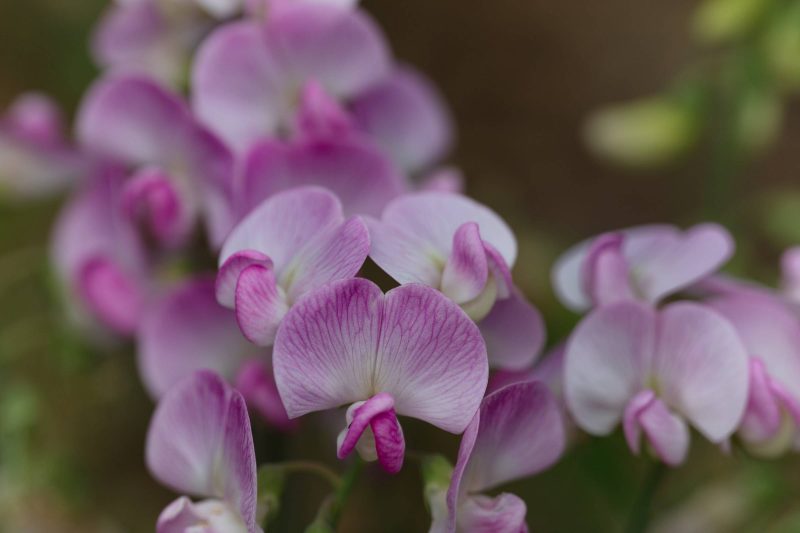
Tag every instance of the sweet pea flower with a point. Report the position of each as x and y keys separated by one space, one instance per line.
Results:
x=293 y=243
x=247 y=74
x=456 y=245
x=99 y=258
x=657 y=371
x=790 y=274
x=180 y=172
x=409 y=352
x=771 y=333
x=199 y=443
x=646 y=263
x=35 y=158
x=517 y=432
x=186 y=330
x=155 y=38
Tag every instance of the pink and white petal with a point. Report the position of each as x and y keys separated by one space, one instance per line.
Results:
x=456 y=493
x=36 y=118
x=113 y=295
x=408 y=117
x=283 y=224
x=187 y=330
x=568 y=280
x=356 y=171
x=431 y=358
x=403 y=255
x=376 y=414
x=320 y=116
x=769 y=330
x=133 y=119
x=344 y=50
x=445 y=179
x=256 y=381
x=504 y=513
x=335 y=254
x=466 y=270
x=199 y=442
x=212 y=516
x=606 y=272
x=666 y=432
x=671 y=264
x=763 y=416
x=435 y=217
x=238 y=85
x=521 y=433
x=151 y=198
x=514 y=332
x=260 y=304
x=701 y=366
x=231 y=269
x=607 y=358
x=324 y=352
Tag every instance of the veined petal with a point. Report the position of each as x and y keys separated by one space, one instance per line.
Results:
x=504 y=513
x=514 y=332
x=324 y=352
x=406 y=114
x=467 y=269
x=284 y=224
x=344 y=50
x=185 y=331
x=427 y=222
x=199 y=442
x=607 y=357
x=260 y=304
x=377 y=415
x=238 y=86
x=357 y=172
x=231 y=269
x=701 y=367
x=521 y=433
x=666 y=432
x=431 y=358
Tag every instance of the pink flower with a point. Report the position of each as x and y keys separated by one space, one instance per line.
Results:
x=646 y=263
x=293 y=243
x=410 y=352
x=199 y=443
x=465 y=250
x=517 y=432
x=656 y=372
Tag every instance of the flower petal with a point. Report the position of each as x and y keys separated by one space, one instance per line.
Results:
x=212 y=515
x=702 y=368
x=763 y=416
x=357 y=172
x=514 y=332
x=467 y=269
x=406 y=114
x=606 y=360
x=199 y=442
x=667 y=433
x=237 y=84
x=260 y=304
x=431 y=358
x=256 y=382
x=187 y=330
x=445 y=179
x=231 y=269
x=324 y=352
x=320 y=116
x=111 y=294
x=504 y=513
x=790 y=274
x=376 y=414
x=427 y=222
x=606 y=273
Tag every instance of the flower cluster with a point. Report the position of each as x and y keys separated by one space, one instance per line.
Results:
x=227 y=221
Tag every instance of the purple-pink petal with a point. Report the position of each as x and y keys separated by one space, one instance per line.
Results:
x=514 y=332
x=256 y=381
x=260 y=304
x=666 y=433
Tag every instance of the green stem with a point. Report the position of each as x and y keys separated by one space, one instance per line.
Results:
x=640 y=512
x=312 y=468
x=345 y=488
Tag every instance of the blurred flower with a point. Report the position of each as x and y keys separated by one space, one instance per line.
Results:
x=790 y=274
x=646 y=263
x=410 y=352
x=35 y=158
x=643 y=133
x=456 y=245
x=199 y=442
x=181 y=172
x=517 y=432
x=656 y=370
x=293 y=243
x=771 y=334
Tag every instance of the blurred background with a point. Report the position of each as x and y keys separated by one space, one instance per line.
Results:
x=522 y=79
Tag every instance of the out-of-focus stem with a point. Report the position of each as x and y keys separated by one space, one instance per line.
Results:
x=640 y=512
x=345 y=488
x=312 y=468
